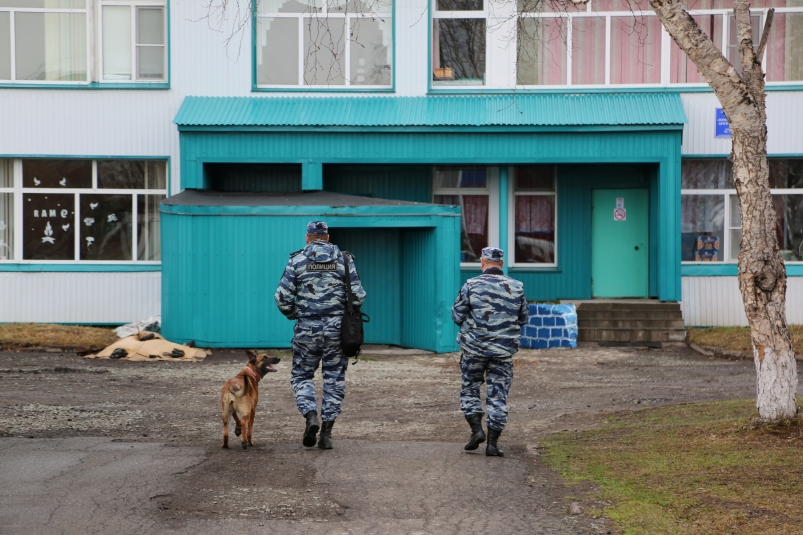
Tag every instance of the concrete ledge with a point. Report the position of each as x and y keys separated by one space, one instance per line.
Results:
x=550 y=326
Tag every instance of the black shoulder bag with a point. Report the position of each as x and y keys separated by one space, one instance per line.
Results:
x=351 y=330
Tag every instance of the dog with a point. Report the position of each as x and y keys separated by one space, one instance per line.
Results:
x=240 y=396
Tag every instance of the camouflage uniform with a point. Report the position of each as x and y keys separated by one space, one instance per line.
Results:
x=312 y=291
x=490 y=310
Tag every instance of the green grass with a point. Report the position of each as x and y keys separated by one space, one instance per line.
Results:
x=738 y=338
x=22 y=335
x=690 y=469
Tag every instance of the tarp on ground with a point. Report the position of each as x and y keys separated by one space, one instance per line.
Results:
x=154 y=348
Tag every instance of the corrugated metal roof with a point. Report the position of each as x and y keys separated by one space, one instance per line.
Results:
x=558 y=109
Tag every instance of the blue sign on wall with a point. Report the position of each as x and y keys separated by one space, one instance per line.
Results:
x=723 y=129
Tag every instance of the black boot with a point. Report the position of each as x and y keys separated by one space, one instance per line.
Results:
x=325 y=440
x=492 y=450
x=477 y=434
x=312 y=429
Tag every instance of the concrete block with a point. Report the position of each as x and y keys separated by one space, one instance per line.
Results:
x=543 y=333
x=549 y=321
x=560 y=321
x=554 y=342
x=535 y=320
x=539 y=344
x=556 y=332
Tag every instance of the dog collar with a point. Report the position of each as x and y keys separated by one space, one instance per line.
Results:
x=254 y=374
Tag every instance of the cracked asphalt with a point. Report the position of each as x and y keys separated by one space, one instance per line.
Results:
x=91 y=446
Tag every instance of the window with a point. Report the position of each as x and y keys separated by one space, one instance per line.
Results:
x=133 y=42
x=598 y=44
x=52 y=41
x=332 y=43
x=534 y=214
x=81 y=210
x=475 y=191
x=711 y=223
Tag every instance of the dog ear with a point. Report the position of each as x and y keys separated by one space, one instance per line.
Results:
x=252 y=355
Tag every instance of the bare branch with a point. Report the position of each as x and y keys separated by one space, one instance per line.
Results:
x=765 y=34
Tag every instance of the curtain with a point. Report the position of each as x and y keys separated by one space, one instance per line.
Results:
x=635 y=50
x=541 y=51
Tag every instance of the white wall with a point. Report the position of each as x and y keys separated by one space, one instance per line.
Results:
x=713 y=301
x=79 y=297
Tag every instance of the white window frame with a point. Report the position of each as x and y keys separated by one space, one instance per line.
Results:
x=19 y=192
x=12 y=14
x=346 y=65
x=726 y=195
x=491 y=189
x=511 y=224
x=500 y=26
x=133 y=5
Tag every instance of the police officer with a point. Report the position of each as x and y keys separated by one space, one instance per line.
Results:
x=313 y=292
x=490 y=310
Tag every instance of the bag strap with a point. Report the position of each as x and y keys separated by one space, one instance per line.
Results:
x=349 y=294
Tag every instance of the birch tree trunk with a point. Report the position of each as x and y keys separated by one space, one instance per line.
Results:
x=762 y=275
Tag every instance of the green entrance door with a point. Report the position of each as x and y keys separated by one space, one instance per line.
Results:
x=620 y=243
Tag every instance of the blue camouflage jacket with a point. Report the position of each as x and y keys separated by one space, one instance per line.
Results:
x=490 y=310
x=313 y=283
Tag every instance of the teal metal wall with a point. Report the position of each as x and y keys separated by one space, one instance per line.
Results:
x=252 y=177
x=398 y=182
x=660 y=149
x=221 y=267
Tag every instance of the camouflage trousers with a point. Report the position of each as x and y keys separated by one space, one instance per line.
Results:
x=317 y=342
x=497 y=372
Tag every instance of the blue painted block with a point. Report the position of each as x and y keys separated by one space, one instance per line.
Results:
x=554 y=343
x=544 y=310
x=570 y=319
x=526 y=342
x=549 y=321
x=560 y=310
x=560 y=321
x=557 y=332
x=535 y=320
x=540 y=344
x=530 y=332
x=543 y=333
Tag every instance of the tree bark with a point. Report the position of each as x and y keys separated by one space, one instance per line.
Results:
x=762 y=275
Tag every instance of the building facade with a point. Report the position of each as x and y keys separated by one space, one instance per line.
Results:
x=547 y=130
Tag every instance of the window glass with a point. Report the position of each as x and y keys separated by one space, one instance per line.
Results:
x=5 y=45
x=702 y=228
x=50 y=46
x=681 y=69
x=541 y=51
x=535 y=178
x=789 y=227
x=459 y=51
x=149 y=240
x=121 y=174
x=48 y=226
x=117 y=42
x=156 y=174
x=635 y=50
x=369 y=6
x=6 y=225
x=548 y=6
x=786 y=173
x=735 y=226
x=706 y=174
x=290 y=6
x=785 y=48
x=535 y=229
x=324 y=46
x=588 y=50
x=474 y=223
x=459 y=5
x=106 y=222
x=58 y=4
x=733 y=47
x=57 y=173
x=460 y=177
x=6 y=173
x=277 y=34
x=370 y=62
x=150 y=43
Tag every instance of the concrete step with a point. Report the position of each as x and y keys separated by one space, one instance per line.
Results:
x=583 y=323
x=629 y=305
x=629 y=314
x=631 y=335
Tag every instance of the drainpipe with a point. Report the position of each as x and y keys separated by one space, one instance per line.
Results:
x=503 y=217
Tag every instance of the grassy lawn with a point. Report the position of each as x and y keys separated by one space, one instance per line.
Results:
x=20 y=335
x=690 y=469
x=738 y=338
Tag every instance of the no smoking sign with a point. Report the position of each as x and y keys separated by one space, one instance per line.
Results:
x=619 y=214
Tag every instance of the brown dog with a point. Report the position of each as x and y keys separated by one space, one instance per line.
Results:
x=240 y=396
